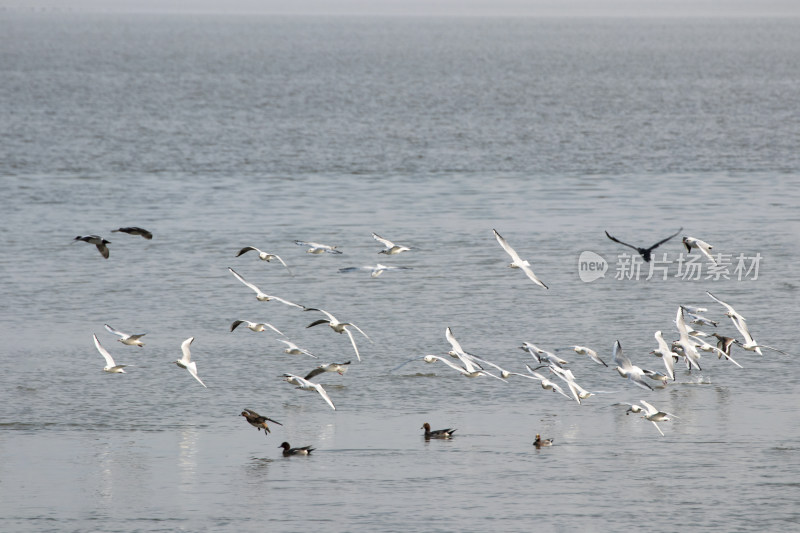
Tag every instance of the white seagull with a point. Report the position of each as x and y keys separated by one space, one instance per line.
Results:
x=264 y=256
x=654 y=415
x=688 y=346
x=376 y=270
x=111 y=367
x=548 y=384
x=666 y=353
x=317 y=248
x=706 y=347
x=583 y=350
x=627 y=369
x=339 y=368
x=632 y=407
x=543 y=356
x=304 y=384
x=186 y=360
x=731 y=311
x=578 y=392
x=98 y=241
x=124 y=338
x=749 y=343
x=293 y=349
x=469 y=369
x=390 y=247
x=703 y=247
x=517 y=262
x=260 y=295
x=470 y=362
x=695 y=310
x=255 y=326
x=338 y=327
x=700 y=320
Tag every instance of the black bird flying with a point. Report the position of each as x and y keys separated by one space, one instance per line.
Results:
x=644 y=252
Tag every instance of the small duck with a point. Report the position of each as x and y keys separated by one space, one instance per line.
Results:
x=539 y=442
x=288 y=451
x=98 y=241
x=437 y=433
x=258 y=421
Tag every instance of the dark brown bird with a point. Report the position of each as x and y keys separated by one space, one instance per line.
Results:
x=133 y=230
x=437 y=433
x=258 y=421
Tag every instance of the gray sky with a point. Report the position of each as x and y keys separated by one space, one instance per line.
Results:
x=434 y=7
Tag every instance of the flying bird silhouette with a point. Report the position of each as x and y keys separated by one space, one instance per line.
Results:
x=644 y=252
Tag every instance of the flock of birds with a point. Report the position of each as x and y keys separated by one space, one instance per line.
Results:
x=557 y=377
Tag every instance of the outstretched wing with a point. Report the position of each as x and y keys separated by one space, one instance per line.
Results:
x=287 y=302
x=509 y=250
x=114 y=331
x=386 y=242
x=284 y=264
x=353 y=342
x=529 y=272
x=247 y=249
x=659 y=243
x=240 y=278
x=192 y=368
x=187 y=355
x=622 y=243
x=107 y=356
x=324 y=394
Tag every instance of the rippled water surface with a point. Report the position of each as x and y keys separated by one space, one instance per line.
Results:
x=217 y=133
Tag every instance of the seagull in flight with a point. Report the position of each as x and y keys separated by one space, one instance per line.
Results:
x=516 y=261
x=666 y=353
x=376 y=270
x=111 y=367
x=731 y=311
x=654 y=415
x=317 y=248
x=390 y=248
x=469 y=369
x=264 y=256
x=260 y=295
x=339 y=368
x=133 y=230
x=548 y=384
x=304 y=384
x=255 y=326
x=543 y=356
x=124 y=338
x=703 y=247
x=627 y=369
x=583 y=350
x=98 y=241
x=186 y=360
x=293 y=349
x=688 y=346
x=338 y=327
x=644 y=252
